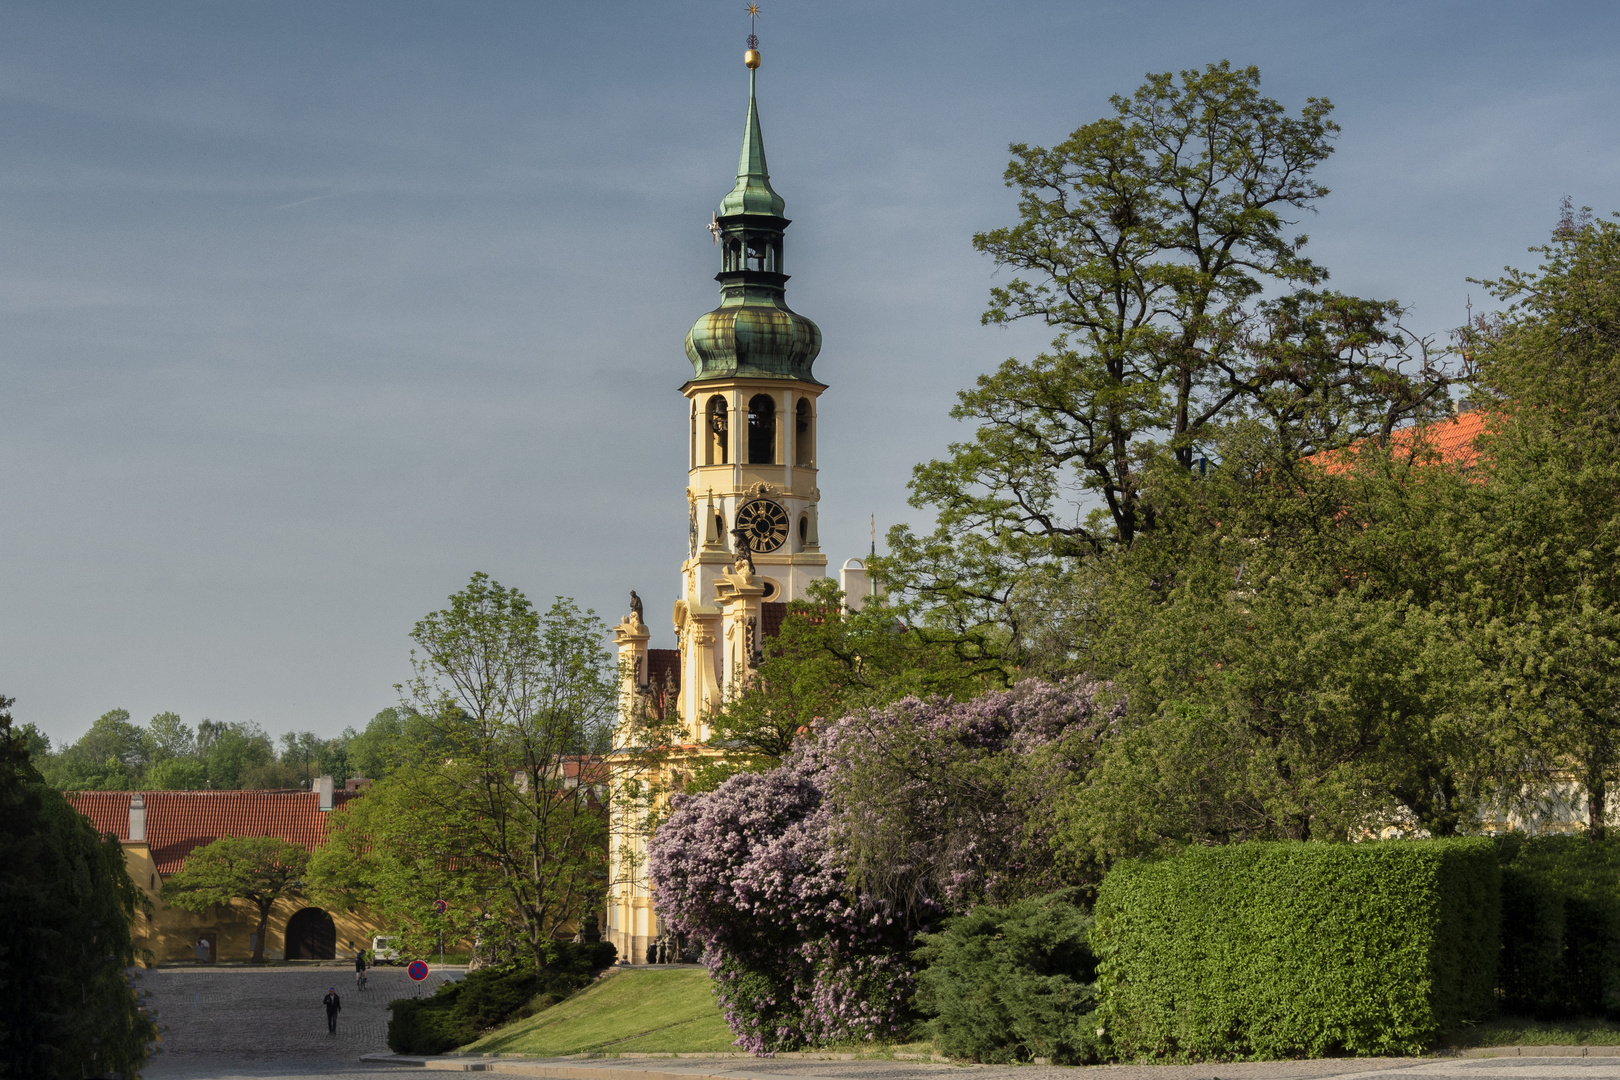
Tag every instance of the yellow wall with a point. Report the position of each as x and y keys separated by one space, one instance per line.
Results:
x=171 y=933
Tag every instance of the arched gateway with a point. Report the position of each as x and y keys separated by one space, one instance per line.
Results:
x=311 y=935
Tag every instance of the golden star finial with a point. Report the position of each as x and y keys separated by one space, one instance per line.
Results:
x=751 y=57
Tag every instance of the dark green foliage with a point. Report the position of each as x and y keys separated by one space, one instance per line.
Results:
x=828 y=661
x=417 y=1026
x=1272 y=950
x=459 y=1012
x=67 y=1007
x=1013 y=983
x=1560 y=926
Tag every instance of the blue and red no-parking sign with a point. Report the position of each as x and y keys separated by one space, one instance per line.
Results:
x=418 y=970
x=440 y=906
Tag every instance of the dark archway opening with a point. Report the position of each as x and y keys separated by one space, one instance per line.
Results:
x=761 y=430
x=311 y=935
x=718 y=436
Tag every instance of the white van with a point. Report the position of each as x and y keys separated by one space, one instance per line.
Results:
x=384 y=950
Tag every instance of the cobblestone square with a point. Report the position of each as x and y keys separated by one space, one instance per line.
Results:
x=227 y=1021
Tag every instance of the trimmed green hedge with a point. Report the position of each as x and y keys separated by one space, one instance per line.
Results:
x=1271 y=950
x=1013 y=983
x=1560 y=926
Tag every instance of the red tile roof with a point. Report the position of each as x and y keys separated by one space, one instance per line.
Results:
x=770 y=619
x=178 y=821
x=1453 y=440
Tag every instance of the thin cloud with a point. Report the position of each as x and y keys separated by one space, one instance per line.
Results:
x=311 y=199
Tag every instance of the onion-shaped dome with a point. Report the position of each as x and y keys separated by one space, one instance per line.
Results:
x=753 y=339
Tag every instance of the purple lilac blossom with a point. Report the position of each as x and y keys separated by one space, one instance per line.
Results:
x=755 y=870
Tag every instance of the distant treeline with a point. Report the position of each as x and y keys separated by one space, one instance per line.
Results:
x=167 y=754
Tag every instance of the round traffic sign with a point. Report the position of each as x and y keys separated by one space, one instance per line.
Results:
x=418 y=970
x=440 y=906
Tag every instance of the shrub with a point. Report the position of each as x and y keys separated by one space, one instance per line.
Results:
x=1014 y=983
x=458 y=1012
x=1560 y=926
x=415 y=1026
x=1271 y=950
x=807 y=884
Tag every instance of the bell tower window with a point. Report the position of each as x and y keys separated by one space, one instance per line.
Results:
x=717 y=431
x=761 y=430
x=804 y=428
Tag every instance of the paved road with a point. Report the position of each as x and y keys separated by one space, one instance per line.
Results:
x=241 y=1022
x=235 y=1024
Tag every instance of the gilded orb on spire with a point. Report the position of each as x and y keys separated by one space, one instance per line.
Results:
x=751 y=57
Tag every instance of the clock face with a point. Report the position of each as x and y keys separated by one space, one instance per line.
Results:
x=765 y=523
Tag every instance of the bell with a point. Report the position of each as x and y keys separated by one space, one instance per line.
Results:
x=751 y=58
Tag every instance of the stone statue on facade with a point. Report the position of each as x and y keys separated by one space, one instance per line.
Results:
x=744 y=552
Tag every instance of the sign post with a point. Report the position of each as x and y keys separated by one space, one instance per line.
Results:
x=439 y=908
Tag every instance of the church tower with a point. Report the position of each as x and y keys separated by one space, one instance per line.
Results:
x=751 y=496
x=751 y=417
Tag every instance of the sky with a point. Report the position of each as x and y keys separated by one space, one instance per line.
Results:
x=308 y=310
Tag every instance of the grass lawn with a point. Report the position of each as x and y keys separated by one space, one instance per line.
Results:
x=643 y=1012
x=1518 y=1031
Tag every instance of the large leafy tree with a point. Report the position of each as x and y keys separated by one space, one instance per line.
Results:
x=1291 y=652
x=1544 y=570
x=1147 y=241
x=386 y=743
x=111 y=756
x=518 y=711
x=67 y=906
x=397 y=854
x=258 y=869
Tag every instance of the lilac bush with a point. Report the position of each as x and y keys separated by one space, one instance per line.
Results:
x=808 y=884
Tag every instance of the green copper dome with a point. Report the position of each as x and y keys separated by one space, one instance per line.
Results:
x=753 y=333
x=758 y=339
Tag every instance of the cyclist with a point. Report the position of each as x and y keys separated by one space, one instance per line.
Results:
x=360 y=969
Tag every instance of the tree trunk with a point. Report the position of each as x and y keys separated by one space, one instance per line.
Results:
x=1597 y=796
x=258 y=938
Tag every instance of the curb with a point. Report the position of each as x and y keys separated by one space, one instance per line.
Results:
x=560 y=1072
x=554 y=1070
x=1540 y=1051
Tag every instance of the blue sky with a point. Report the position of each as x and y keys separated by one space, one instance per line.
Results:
x=310 y=310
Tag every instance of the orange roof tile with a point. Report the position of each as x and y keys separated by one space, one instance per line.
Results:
x=179 y=821
x=1453 y=439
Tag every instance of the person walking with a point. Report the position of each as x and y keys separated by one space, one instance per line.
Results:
x=334 y=1005
x=360 y=969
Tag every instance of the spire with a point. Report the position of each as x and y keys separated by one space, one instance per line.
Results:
x=753 y=332
x=753 y=193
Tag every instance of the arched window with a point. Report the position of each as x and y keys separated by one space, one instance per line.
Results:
x=717 y=432
x=761 y=430
x=804 y=441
